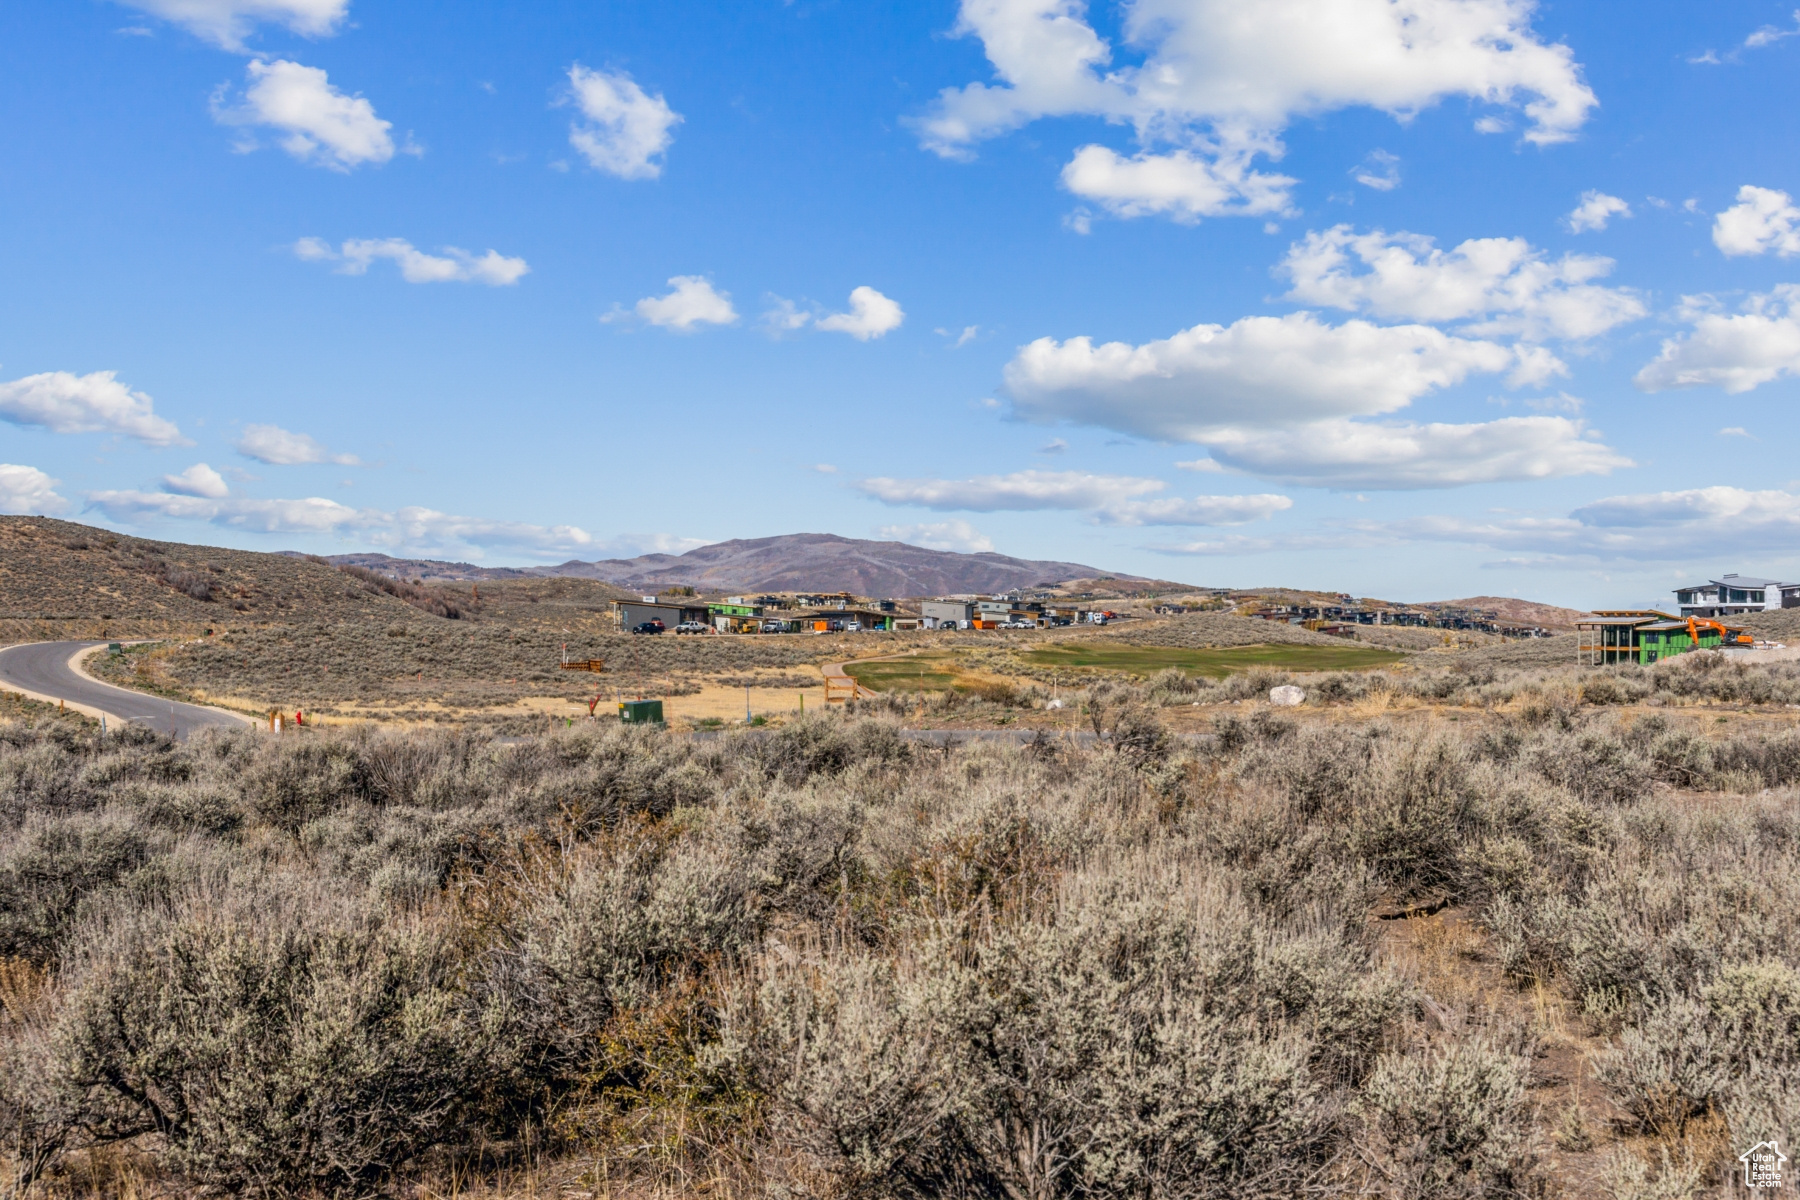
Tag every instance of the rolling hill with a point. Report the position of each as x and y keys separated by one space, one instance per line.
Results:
x=1524 y=612
x=58 y=578
x=824 y=562
x=795 y=562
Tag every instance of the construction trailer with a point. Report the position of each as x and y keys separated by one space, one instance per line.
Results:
x=1644 y=636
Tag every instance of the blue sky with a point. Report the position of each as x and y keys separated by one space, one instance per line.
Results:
x=1410 y=298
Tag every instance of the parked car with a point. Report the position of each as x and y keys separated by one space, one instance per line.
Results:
x=648 y=627
x=693 y=627
x=853 y=627
x=773 y=627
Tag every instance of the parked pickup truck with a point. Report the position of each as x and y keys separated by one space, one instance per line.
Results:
x=648 y=627
x=693 y=627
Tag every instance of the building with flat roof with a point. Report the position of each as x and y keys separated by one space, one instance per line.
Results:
x=633 y=613
x=1734 y=595
x=1646 y=635
x=946 y=614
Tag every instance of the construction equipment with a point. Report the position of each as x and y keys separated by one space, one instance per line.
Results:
x=1735 y=637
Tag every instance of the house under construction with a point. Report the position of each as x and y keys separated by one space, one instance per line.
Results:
x=1645 y=635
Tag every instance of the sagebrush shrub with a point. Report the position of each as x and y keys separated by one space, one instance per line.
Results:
x=1451 y=1122
x=1043 y=970
x=49 y=866
x=274 y=1036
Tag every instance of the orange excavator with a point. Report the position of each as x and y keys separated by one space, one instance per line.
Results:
x=1734 y=637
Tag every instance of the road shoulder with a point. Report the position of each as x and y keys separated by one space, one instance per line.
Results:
x=86 y=710
x=77 y=665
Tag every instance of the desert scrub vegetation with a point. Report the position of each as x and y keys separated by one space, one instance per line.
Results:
x=352 y=667
x=61 y=578
x=824 y=960
x=1537 y=692
x=1476 y=680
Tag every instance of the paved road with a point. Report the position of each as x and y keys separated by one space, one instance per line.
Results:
x=42 y=670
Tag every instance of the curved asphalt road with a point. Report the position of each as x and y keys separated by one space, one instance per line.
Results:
x=43 y=670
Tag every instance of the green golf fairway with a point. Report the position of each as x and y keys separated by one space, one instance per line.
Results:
x=923 y=674
x=1216 y=663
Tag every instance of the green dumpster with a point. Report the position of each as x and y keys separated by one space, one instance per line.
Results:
x=641 y=712
x=114 y=649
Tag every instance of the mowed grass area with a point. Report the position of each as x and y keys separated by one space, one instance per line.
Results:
x=1213 y=663
x=924 y=673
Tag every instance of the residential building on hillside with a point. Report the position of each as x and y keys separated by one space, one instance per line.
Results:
x=1733 y=595
x=946 y=614
x=633 y=613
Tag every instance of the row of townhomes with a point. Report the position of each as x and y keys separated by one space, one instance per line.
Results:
x=1342 y=618
x=842 y=612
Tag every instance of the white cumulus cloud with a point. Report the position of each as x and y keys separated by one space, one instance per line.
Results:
x=692 y=302
x=1670 y=527
x=627 y=130
x=1673 y=526
x=1736 y=351
x=959 y=536
x=632 y=544
x=1021 y=490
x=1180 y=184
x=1499 y=286
x=1761 y=221
x=1352 y=454
x=96 y=403
x=27 y=491
x=1113 y=499
x=1220 y=79
x=279 y=447
x=871 y=315
x=453 y=266
x=412 y=530
x=226 y=23
x=1288 y=399
x=1594 y=210
x=317 y=123
x=1266 y=372
x=198 y=480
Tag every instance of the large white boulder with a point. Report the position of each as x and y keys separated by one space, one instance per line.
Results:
x=1286 y=696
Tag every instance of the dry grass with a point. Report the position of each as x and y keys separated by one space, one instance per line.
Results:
x=15 y=707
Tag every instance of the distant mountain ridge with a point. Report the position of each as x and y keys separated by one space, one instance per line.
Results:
x=795 y=562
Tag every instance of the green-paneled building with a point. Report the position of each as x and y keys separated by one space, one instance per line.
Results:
x=1642 y=636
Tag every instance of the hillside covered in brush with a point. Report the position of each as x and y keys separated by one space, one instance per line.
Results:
x=61 y=579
